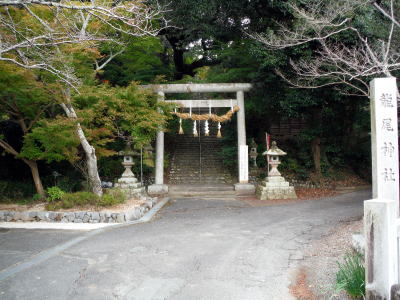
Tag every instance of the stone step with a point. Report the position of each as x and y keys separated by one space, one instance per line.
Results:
x=203 y=196
x=205 y=149
x=214 y=172
x=209 y=171
x=195 y=156
x=210 y=191
x=185 y=163
x=202 y=178
x=194 y=160
x=194 y=182
x=209 y=179
x=190 y=160
x=213 y=167
x=202 y=188
x=197 y=144
x=182 y=164
x=205 y=171
x=198 y=179
x=196 y=171
x=213 y=151
x=192 y=139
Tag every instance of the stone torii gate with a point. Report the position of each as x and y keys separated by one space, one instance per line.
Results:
x=243 y=187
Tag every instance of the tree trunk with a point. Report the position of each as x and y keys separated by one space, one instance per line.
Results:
x=316 y=123
x=36 y=177
x=90 y=152
x=316 y=153
x=31 y=163
x=91 y=163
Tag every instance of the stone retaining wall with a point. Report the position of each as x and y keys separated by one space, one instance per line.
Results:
x=79 y=216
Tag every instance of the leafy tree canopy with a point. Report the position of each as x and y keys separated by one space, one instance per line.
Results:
x=31 y=104
x=128 y=113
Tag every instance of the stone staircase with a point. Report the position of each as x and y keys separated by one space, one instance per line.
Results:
x=196 y=160
x=203 y=191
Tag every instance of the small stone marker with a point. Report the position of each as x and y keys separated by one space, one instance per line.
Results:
x=253 y=153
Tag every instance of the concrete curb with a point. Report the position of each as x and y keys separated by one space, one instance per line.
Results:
x=83 y=226
x=61 y=226
x=49 y=253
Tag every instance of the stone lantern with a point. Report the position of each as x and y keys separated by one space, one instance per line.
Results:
x=275 y=186
x=253 y=152
x=148 y=155
x=148 y=149
x=127 y=162
x=273 y=160
x=128 y=182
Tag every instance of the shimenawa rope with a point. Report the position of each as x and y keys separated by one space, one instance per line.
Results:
x=212 y=117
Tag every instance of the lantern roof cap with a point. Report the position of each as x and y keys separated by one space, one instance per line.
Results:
x=148 y=148
x=253 y=143
x=128 y=151
x=274 y=150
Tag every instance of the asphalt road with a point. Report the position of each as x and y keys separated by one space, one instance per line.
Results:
x=193 y=249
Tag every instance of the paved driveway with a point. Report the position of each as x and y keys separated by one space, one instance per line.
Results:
x=193 y=249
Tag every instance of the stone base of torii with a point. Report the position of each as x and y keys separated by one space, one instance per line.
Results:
x=243 y=187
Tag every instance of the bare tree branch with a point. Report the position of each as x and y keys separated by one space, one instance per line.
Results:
x=109 y=58
x=386 y=14
x=334 y=62
x=32 y=31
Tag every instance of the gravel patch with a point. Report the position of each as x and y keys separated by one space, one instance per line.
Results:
x=320 y=260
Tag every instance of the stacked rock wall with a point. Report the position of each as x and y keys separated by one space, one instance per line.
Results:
x=79 y=216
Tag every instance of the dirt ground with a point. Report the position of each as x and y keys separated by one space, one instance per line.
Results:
x=316 y=275
x=302 y=195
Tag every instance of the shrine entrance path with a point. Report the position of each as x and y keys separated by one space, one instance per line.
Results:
x=194 y=249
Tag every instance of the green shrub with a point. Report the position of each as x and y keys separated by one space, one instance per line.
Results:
x=36 y=197
x=79 y=199
x=113 y=197
x=351 y=275
x=54 y=193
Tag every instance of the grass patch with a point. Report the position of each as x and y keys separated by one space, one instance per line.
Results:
x=351 y=276
x=84 y=199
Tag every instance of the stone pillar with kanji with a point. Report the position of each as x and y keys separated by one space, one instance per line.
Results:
x=381 y=213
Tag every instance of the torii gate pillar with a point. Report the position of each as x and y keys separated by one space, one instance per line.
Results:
x=159 y=187
x=243 y=187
